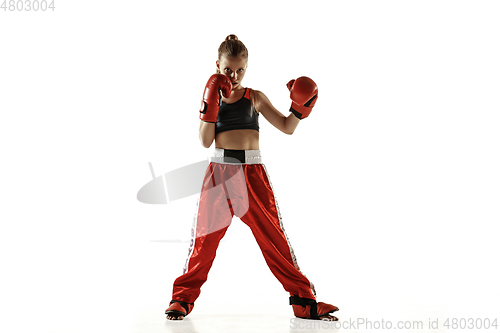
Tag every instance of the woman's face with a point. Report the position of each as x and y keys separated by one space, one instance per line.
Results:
x=234 y=68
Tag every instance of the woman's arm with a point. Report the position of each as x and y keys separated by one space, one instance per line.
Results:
x=285 y=124
x=207 y=133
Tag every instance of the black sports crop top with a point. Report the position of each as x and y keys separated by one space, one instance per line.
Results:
x=238 y=115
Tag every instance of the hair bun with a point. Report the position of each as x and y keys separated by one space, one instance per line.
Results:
x=232 y=47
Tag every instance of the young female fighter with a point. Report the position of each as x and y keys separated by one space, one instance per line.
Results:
x=237 y=183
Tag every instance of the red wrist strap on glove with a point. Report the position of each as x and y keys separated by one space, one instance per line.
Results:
x=304 y=94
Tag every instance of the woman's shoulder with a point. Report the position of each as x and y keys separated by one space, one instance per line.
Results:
x=254 y=96
x=253 y=91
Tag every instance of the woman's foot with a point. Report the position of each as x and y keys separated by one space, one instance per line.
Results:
x=175 y=316
x=308 y=308
x=328 y=317
x=178 y=310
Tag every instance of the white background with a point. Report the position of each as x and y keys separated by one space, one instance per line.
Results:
x=389 y=191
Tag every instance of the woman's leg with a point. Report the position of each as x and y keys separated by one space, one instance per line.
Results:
x=263 y=218
x=212 y=219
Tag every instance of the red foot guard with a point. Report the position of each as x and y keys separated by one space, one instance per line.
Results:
x=308 y=308
x=179 y=308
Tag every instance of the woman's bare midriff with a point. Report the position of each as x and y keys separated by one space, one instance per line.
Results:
x=244 y=139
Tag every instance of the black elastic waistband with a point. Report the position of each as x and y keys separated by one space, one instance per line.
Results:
x=230 y=155
x=235 y=156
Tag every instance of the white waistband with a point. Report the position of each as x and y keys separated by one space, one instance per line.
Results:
x=251 y=157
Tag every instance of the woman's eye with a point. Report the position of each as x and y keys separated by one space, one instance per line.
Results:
x=227 y=69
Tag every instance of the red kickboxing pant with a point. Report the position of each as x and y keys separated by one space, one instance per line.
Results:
x=244 y=190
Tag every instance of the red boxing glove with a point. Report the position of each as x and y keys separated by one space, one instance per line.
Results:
x=211 y=96
x=304 y=93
